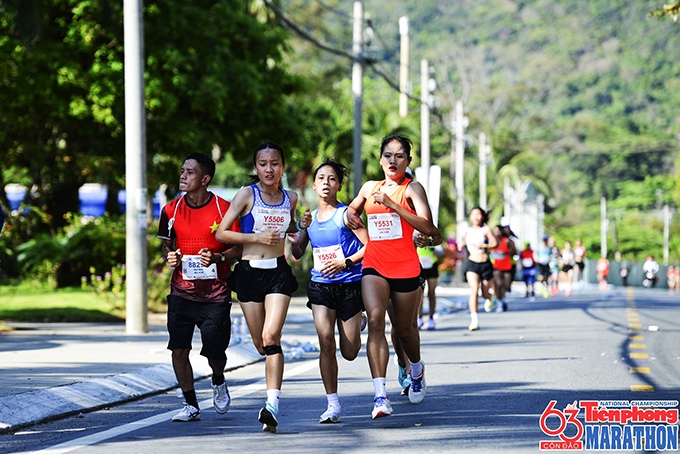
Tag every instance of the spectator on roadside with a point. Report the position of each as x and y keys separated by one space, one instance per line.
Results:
x=624 y=273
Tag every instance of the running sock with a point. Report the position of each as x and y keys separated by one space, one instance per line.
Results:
x=217 y=381
x=273 y=396
x=474 y=317
x=379 y=385
x=190 y=398
x=416 y=369
x=333 y=400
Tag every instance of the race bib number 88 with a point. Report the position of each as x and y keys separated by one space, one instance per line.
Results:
x=193 y=270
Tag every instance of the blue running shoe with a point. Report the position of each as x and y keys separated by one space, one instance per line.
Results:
x=404 y=379
x=269 y=417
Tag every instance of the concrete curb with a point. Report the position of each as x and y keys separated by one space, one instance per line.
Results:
x=34 y=407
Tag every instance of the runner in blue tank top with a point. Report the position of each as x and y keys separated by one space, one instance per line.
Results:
x=334 y=291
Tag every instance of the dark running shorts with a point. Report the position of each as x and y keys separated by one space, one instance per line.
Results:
x=430 y=273
x=544 y=270
x=213 y=319
x=484 y=270
x=580 y=265
x=567 y=268
x=396 y=285
x=253 y=284
x=342 y=297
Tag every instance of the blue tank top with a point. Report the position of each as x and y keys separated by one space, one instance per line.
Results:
x=263 y=217
x=543 y=255
x=326 y=238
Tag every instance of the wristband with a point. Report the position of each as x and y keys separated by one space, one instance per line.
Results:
x=300 y=229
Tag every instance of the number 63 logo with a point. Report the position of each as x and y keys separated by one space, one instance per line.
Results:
x=572 y=411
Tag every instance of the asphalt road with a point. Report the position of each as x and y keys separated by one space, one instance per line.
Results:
x=486 y=389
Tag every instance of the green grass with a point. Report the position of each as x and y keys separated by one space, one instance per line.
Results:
x=30 y=302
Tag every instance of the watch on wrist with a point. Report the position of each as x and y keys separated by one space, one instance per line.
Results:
x=222 y=258
x=348 y=263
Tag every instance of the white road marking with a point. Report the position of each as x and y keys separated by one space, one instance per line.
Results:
x=90 y=440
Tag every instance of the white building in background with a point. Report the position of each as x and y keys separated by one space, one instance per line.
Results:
x=525 y=209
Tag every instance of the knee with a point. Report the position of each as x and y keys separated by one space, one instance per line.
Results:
x=350 y=353
x=180 y=354
x=271 y=339
x=327 y=343
x=376 y=324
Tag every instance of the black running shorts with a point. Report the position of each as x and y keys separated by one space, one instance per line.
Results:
x=430 y=273
x=396 y=285
x=484 y=270
x=342 y=297
x=213 y=320
x=253 y=284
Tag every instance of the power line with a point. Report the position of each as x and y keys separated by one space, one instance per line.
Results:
x=337 y=11
x=280 y=16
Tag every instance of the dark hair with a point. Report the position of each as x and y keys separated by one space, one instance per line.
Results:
x=266 y=146
x=339 y=169
x=506 y=231
x=205 y=163
x=405 y=142
x=485 y=215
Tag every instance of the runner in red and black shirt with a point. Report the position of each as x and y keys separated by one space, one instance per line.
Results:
x=199 y=295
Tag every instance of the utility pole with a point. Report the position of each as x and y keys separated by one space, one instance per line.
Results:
x=357 y=91
x=603 y=226
x=482 y=170
x=403 y=67
x=425 y=123
x=460 y=124
x=136 y=321
x=666 y=231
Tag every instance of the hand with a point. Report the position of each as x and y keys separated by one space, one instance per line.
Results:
x=383 y=199
x=422 y=240
x=269 y=238
x=306 y=219
x=332 y=268
x=174 y=257
x=354 y=223
x=207 y=257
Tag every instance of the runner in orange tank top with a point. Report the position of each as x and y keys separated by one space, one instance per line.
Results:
x=394 y=208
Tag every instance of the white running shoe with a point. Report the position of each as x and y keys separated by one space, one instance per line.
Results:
x=221 y=399
x=474 y=325
x=381 y=407
x=430 y=324
x=420 y=322
x=418 y=389
x=188 y=413
x=331 y=416
x=364 y=321
x=488 y=305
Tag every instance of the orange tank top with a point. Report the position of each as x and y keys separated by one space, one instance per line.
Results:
x=390 y=249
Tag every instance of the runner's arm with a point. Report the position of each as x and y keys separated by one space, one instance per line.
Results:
x=493 y=241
